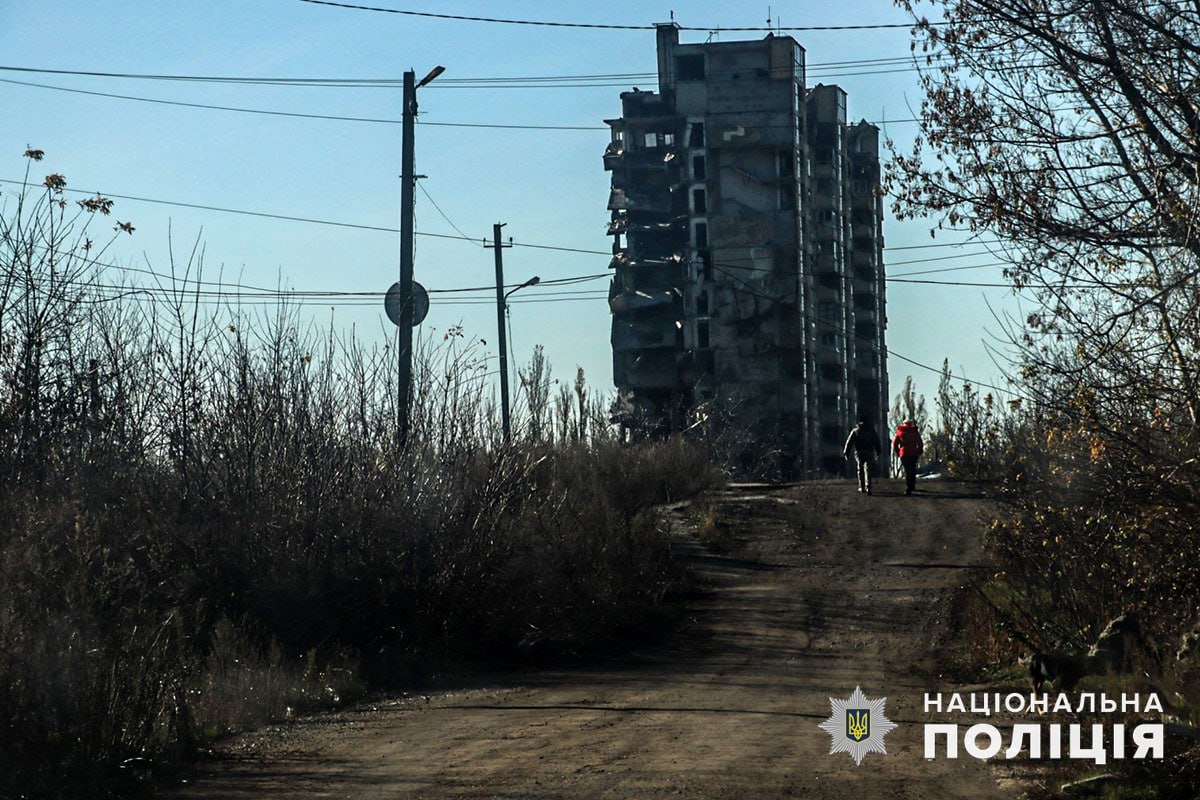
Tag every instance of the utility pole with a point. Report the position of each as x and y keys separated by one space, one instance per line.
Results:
x=499 y=246
x=502 y=334
x=408 y=183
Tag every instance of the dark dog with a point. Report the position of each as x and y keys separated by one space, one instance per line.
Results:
x=1112 y=653
x=1064 y=671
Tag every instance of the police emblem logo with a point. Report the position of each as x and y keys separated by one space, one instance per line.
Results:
x=857 y=725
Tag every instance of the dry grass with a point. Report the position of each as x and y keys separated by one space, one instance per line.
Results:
x=209 y=522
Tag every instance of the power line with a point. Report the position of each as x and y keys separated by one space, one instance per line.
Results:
x=903 y=277
x=297 y=298
x=136 y=294
x=180 y=284
x=449 y=221
x=963 y=378
x=110 y=291
x=302 y=115
x=369 y=299
x=393 y=83
x=387 y=229
x=1078 y=285
x=938 y=258
x=945 y=244
x=513 y=126
x=342 y=118
x=312 y=221
x=969 y=283
x=607 y=26
x=208 y=106
x=809 y=68
x=223 y=287
x=897 y=277
x=265 y=81
x=990 y=264
x=853 y=335
x=622 y=84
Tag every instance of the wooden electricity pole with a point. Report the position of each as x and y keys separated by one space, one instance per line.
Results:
x=405 y=327
x=407 y=189
x=499 y=246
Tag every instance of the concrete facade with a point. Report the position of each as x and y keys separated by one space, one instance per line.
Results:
x=747 y=254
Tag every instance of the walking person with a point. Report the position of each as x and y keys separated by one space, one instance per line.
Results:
x=908 y=445
x=863 y=442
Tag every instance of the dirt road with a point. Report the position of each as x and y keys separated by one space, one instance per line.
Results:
x=819 y=590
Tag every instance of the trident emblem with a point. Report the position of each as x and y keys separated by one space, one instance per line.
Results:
x=858 y=723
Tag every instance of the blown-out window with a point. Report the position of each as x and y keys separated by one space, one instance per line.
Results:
x=689 y=67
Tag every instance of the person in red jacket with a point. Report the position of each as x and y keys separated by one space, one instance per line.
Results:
x=909 y=447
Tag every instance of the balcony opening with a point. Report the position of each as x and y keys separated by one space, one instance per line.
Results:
x=831 y=372
x=787 y=163
x=699 y=168
x=689 y=68
x=696 y=135
x=699 y=201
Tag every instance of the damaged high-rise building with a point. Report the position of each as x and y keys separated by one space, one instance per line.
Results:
x=747 y=253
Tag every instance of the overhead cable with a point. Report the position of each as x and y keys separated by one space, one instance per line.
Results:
x=613 y=26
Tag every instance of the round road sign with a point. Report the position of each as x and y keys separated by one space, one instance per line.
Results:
x=420 y=303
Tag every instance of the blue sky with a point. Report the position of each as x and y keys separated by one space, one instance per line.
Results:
x=549 y=186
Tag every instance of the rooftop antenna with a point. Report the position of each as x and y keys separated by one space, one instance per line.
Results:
x=768 y=17
x=672 y=15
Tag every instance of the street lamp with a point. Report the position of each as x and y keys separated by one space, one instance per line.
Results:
x=433 y=73
x=534 y=281
x=501 y=310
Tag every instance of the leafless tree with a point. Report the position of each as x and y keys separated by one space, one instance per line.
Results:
x=1065 y=135
x=1070 y=130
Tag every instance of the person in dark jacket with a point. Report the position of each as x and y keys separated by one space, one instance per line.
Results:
x=863 y=442
x=908 y=445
